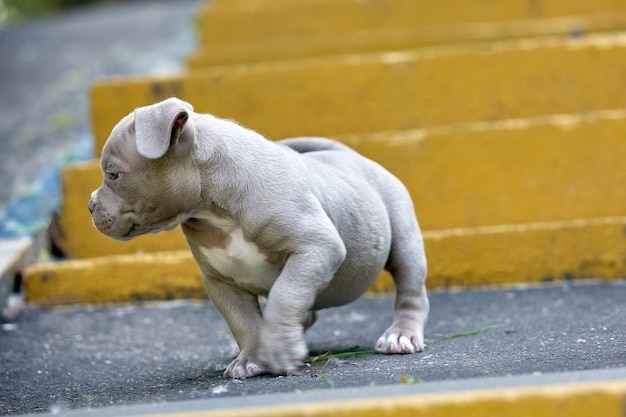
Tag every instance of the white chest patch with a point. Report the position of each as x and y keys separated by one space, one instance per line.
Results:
x=242 y=261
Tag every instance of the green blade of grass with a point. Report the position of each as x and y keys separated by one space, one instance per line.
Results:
x=330 y=382
x=318 y=362
x=468 y=333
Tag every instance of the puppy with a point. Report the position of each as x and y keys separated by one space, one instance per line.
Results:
x=307 y=223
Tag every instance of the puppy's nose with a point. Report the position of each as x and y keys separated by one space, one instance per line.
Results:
x=91 y=206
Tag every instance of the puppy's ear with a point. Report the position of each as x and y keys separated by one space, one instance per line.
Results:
x=160 y=126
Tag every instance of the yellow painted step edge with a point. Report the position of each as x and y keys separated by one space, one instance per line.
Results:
x=440 y=11
x=598 y=399
x=492 y=255
x=406 y=38
x=391 y=90
x=119 y=278
x=511 y=171
x=347 y=16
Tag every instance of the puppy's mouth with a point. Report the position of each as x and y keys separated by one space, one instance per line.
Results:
x=137 y=229
x=132 y=232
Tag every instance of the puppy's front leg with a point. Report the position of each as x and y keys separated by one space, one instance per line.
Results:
x=242 y=313
x=282 y=346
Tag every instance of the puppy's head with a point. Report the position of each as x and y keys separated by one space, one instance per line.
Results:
x=149 y=179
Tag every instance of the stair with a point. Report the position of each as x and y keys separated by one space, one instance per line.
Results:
x=505 y=121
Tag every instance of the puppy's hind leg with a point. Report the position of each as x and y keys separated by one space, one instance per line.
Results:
x=407 y=265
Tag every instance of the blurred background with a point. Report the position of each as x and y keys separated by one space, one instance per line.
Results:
x=52 y=52
x=25 y=9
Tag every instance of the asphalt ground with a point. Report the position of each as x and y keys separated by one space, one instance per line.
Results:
x=53 y=360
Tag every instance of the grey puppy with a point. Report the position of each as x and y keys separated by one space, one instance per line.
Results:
x=308 y=223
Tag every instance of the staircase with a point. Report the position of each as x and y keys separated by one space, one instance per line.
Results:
x=505 y=120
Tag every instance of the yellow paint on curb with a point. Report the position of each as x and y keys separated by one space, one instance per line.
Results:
x=549 y=168
x=396 y=39
x=345 y=16
x=493 y=255
x=527 y=253
x=598 y=399
x=511 y=171
x=391 y=90
x=119 y=279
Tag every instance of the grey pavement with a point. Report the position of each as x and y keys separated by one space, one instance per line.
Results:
x=95 y=356
x=304 y=399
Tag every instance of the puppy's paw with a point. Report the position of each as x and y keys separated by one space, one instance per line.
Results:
x=282 y=355
x=245 y=365
x=397 y=340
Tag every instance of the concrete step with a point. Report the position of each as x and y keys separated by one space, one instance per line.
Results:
x=559 y=168
x=397 y=39
x=256 y=20
x=491 y=255
x=546 y=169
x=391 y=90
x=119 y=278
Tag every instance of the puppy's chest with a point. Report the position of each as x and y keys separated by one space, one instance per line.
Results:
x=223 y=246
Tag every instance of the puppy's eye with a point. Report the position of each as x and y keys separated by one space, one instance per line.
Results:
x=114 y=175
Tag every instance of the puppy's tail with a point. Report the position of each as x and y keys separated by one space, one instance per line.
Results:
x=305 y=145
